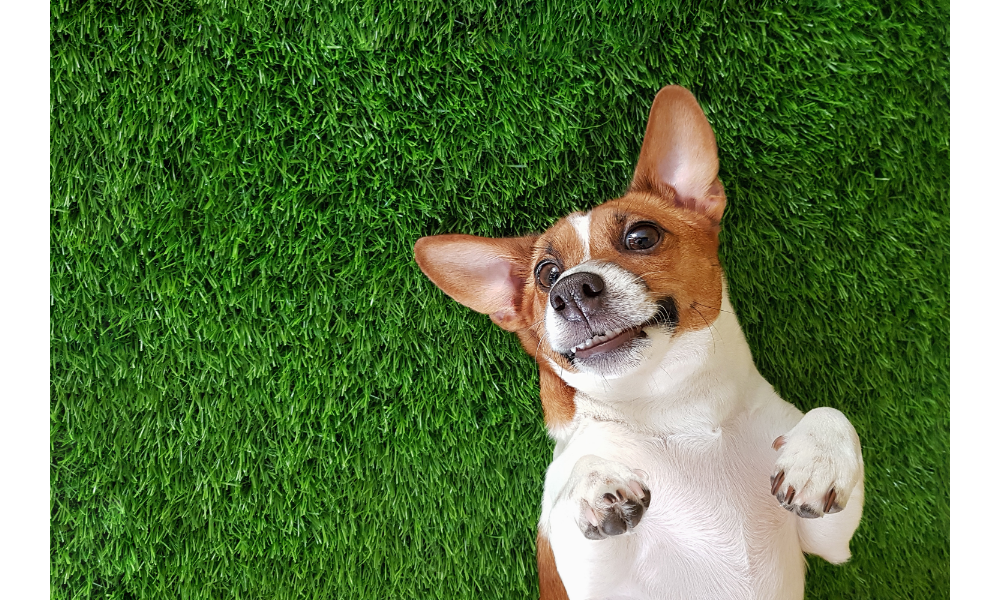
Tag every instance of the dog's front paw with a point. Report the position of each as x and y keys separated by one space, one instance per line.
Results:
x=612 y=499
x=819 y=464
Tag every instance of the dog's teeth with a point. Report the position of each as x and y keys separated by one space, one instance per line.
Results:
x=598 y=339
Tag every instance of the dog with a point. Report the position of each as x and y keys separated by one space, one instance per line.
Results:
x=677 y=472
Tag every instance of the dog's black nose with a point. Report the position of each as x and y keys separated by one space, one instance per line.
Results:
x=578 y=296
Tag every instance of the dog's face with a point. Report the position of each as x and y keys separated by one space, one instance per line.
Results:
x=602 y=292
x=608 y=285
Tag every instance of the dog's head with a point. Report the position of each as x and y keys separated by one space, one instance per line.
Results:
x=602 y=292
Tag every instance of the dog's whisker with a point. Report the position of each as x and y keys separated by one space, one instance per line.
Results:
x=718 y=308
x=538 y=347
x=711 y=328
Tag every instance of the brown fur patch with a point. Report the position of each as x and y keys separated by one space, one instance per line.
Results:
x=557 y=398
x=684 y=265
x=550 y=586
x=556 y=395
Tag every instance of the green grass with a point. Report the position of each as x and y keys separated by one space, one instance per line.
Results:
x=255 y=392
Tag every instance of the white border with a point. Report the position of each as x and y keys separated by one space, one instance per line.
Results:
x=24 y=432
x=24 y=271
x=975 y=408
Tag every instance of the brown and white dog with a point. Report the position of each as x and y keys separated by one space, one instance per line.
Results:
x=669 y=445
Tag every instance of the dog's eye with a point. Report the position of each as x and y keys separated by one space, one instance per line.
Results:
x=642 y=237
x=546 y=273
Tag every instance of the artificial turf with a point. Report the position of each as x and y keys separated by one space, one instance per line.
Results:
x=256 y=394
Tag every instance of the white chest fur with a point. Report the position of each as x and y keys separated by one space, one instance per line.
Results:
x=711 y=524
x=699 y=423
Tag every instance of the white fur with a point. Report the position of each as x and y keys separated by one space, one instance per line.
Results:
x=698 y=418
x=581 y=223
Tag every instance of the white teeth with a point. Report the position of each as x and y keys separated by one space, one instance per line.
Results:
x=597 y=339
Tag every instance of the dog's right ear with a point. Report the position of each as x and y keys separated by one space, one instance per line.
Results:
x=486 y=274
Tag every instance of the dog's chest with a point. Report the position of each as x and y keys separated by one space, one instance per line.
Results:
x=711 y=523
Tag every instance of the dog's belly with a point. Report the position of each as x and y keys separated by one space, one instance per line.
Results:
x=712 y=529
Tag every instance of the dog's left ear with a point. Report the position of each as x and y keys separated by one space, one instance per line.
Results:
x=486 y=274
x=679 y=152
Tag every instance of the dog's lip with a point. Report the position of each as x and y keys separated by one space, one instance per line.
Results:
x=606 y=343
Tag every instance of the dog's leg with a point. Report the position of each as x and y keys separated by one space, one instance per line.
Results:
x=589 y=508
x=604 y=498
x=819 y=476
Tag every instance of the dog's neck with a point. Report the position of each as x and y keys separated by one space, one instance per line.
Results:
x=694 y=383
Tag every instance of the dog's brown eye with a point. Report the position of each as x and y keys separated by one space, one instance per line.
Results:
x=546 y=273
x=642 y=237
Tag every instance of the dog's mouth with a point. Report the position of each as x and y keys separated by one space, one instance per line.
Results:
x=605 y=342
x=609 y=341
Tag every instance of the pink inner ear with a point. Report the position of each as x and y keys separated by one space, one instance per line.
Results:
x=487 y=281
x=688 y=170
x=481 y=273
x=500 y=284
